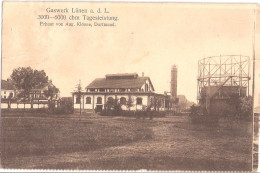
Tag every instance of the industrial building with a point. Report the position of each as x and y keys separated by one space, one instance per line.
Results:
x=173 y=97
x=124 y=88
x=174 y=82
x=220 y=78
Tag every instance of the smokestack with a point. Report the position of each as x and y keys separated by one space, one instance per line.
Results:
x=142 y=74
x=174 y=81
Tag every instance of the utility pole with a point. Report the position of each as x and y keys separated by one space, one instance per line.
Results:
x=79 y=94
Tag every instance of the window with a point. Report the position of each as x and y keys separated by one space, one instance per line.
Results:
x=159 y=103
x=146 y=87
x=123 y=100
x=110 y=100
x=4 y=97
x=99 y=100
x=102 y=90
x=77 y=100
x=139 y=101
x=91 y=90
x=88 y=100
x=133 y=89
x=122 y=90
x=4 y=92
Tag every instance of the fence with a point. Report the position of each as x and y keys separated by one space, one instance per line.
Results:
x=37 y=108
x=23 y=105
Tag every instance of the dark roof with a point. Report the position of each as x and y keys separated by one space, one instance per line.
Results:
x=6 y=85
x=122 y=76
x=40 y=87
x=43 y=85
x=118 y=83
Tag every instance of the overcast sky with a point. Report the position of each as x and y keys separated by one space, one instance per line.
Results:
x=148 y=38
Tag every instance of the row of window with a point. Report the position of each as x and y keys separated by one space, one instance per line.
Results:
x=146 y=89
x=110 y=99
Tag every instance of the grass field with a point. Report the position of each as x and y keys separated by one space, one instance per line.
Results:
x=96 y=142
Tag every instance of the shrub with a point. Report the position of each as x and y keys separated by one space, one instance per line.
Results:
x=234 y=109
x=65 y=107
x=238 y=108
x=107 y=112
x=112 y=108
x=246 y=108
x=199 y=116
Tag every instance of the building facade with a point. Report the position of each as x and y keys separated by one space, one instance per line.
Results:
x=38 y=98
x=130 y=90
x=44 y=91
x=8 y=91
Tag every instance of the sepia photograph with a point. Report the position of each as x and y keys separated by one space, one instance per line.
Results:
x=130 y=86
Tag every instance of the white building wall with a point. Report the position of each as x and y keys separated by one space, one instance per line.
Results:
x=95 y=100
x=149 y=86
x=4 y=105
x=77 y=105
x=27 y=105
x=20 y=105
x=41 y=105
x=13 y=105
x=35 y=105
x=6 y=93
x=139 y=107
x=88 y=106
x=145 y=101
x=74 y=99
x=124 y=107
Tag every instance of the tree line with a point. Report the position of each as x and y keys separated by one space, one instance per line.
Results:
x=25 y=79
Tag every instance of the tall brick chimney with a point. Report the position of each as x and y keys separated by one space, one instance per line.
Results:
x=174 y=81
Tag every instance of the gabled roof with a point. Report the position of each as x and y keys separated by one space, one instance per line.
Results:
x=5 y=85
x=122 y=76
x=66 y=99
x=43 y=85
x=106 y=83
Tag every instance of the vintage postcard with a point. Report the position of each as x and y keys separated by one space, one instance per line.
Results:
x=130 y=86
